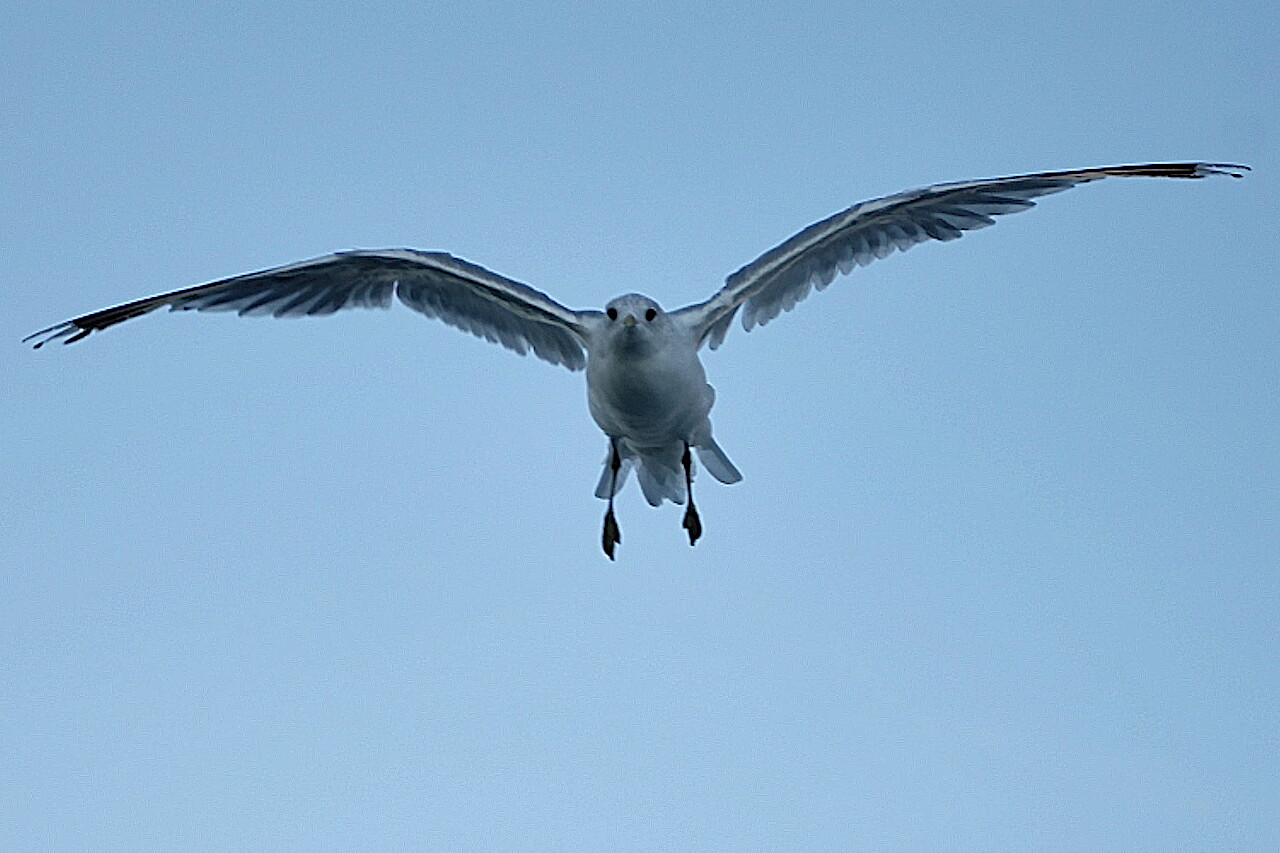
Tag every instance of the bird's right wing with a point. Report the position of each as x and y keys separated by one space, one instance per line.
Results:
x=780 y=278
x=461 y=294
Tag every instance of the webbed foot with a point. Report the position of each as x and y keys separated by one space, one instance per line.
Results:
x=692 y=523
x=612 y=535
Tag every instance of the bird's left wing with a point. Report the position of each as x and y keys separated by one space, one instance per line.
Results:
x=461 y=294
x=780 y=278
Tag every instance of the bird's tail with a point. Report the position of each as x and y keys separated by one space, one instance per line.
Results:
x=660 y=472
x=606 y=476
x=661 y=477
x=716 y=463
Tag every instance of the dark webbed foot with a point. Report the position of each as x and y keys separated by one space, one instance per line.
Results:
x=612 y=535
x=691 y=523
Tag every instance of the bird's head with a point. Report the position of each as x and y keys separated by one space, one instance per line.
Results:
x=634 y=322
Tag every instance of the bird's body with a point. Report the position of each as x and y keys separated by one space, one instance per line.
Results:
x=644 y=379
x=646 y=386
x=648 y=392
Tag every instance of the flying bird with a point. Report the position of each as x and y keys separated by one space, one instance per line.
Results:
x=646 y=387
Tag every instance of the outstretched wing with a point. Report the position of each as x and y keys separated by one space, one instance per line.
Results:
x=459 y=293
x=780 y=278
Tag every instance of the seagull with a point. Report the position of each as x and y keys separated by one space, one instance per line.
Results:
x=646 y=387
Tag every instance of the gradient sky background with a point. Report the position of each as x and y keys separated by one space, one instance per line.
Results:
x=1003 y=570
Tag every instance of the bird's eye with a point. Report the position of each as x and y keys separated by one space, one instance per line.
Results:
x=650 y=315
x=613 y=313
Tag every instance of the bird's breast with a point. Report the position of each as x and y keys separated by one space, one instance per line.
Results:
x=651 y=398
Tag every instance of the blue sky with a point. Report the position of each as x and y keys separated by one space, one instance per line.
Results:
x=1003 y=569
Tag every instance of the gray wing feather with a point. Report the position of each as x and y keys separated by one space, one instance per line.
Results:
x=780 y=278
x=461 y=294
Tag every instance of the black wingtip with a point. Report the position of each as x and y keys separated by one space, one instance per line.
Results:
x=1176 y=170
x=68 y=332
x=1235 y=170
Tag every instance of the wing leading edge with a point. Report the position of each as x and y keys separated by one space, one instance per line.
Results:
x=780 y=278
x=460 y=293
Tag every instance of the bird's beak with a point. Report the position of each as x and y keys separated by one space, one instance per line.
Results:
x=629 y=320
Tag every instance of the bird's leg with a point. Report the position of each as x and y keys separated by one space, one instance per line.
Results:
x=612 y=535
x=691 y=521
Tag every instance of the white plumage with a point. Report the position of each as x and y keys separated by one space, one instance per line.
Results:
x=646 y=386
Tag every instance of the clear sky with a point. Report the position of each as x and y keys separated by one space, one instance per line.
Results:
x=1003 y=570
